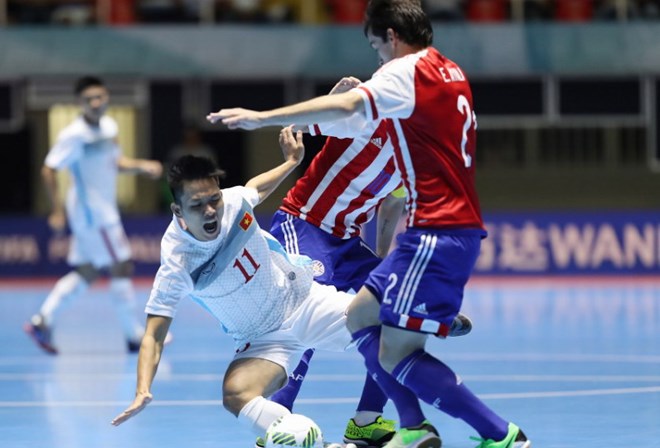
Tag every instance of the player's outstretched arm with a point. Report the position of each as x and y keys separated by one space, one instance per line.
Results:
x=150 y=168
x=317 y=110
x=343 y=85
x=148 y=360
x=293 y=151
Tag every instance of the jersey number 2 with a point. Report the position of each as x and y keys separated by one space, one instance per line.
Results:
x=463 y=106
x=255 y=267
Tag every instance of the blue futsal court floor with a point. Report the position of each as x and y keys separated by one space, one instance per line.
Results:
x=575 y=362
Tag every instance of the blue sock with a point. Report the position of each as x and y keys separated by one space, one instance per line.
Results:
x=373 y=398
x=287 y=395
x=405 y=401
x=436 y=384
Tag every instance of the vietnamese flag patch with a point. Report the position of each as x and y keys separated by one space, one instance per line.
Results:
x=246 y=221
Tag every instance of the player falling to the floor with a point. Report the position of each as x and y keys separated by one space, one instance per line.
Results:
x=215 y=253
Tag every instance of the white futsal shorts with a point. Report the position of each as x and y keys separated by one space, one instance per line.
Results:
x=100 y=246
x=319 y=322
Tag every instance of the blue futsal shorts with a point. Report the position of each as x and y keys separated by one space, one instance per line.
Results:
x=343 y=263
x=420 y=284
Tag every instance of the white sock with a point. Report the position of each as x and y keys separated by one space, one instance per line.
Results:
x=363 y=418
x=123 y=296
x=66 y=290
x=259 y=413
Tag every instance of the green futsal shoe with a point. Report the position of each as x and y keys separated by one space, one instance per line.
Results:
x=514 y=439
x=422 y=436
x=374 y=434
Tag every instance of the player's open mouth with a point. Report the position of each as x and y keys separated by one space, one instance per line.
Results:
x=211 y=227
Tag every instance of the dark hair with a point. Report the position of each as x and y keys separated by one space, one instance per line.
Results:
x=405 y=17
x=188 y=168
x=85 y=82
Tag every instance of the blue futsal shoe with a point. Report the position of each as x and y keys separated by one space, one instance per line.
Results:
x=40 y=333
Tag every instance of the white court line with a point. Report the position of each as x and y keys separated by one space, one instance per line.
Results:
x=340 y=378
x=100 y=404
x=317 y=401
x=564 y=378
x=571 y=393
x=91 y=376
x=471 y=357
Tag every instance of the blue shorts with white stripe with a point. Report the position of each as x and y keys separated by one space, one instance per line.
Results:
x=420 y=284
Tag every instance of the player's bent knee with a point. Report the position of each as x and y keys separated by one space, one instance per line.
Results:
x=248 y=378
x=386 y=362
x=122 y=269
x=88 y=272
x=234 y=401
x=396 y=344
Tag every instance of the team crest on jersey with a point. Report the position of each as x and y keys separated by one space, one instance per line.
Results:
x=209 y=269
x=246 y=221
x=317 y=268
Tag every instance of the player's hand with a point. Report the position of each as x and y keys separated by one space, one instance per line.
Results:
x=151 y=168
x=345 y=84
x=57 y=221
x=292 y=146
x=139 y=403
x=237 y=118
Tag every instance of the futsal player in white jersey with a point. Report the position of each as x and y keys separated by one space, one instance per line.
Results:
x=265 y=299
x=418 y=289
x=87 y=148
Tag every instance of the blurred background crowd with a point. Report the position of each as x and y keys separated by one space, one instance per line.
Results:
x=125 y=12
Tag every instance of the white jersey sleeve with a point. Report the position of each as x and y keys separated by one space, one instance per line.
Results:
x=390 y=93
x=67 y=149
x=172 y=282
x=350 y=127
x=249 y=194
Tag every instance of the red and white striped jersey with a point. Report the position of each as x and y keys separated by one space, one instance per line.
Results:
x=428 y=102
x=347 y=179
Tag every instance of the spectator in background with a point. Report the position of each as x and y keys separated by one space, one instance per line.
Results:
x=346 y=11
x=616 y=10
x=487 y=10
x=537 y=9
x=160 y=11
x=574 y=10
x=444 y=10
x=242 y=11
x=87 y=148
x=116 y=12
x=74 y=14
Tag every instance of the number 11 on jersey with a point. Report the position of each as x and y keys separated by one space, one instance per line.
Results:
x=253 y=265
